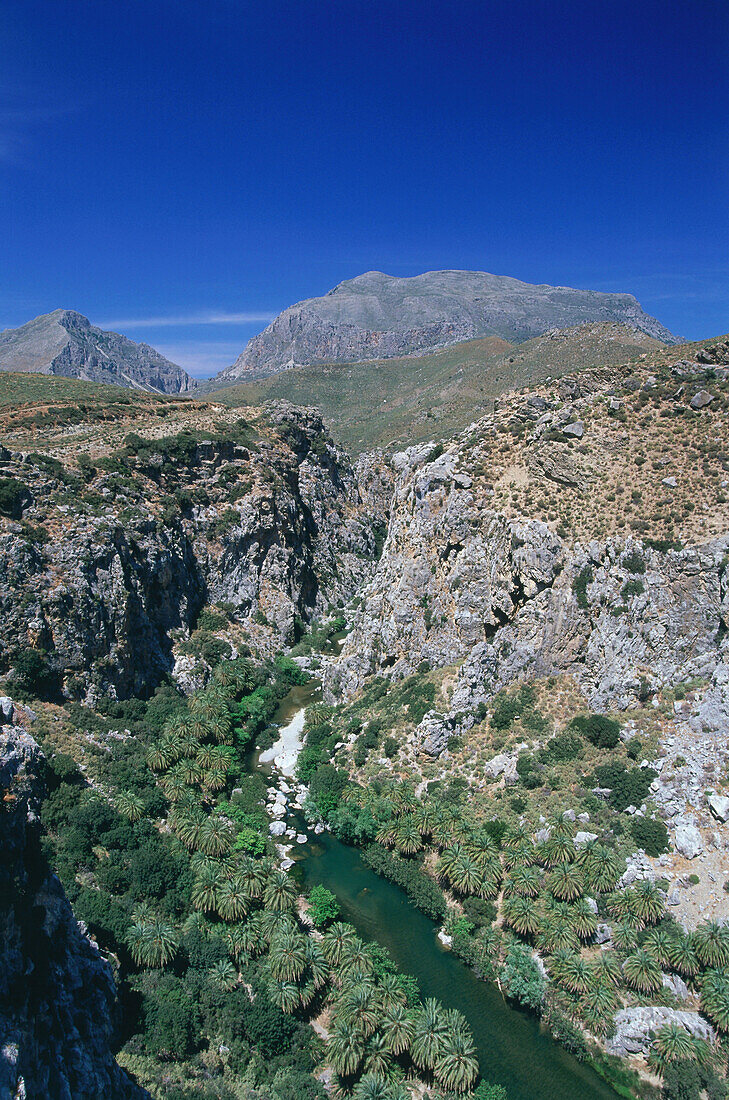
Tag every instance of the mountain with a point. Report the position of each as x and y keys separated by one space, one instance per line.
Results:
x=377 y=316
x=65 y=342
x=397 y=402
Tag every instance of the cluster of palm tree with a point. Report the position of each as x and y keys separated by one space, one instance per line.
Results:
x=376 y=1035
x=674 y=1043
x=152 y=941
x=194 y=750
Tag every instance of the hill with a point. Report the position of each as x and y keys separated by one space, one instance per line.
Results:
x=377 y=316
x=401 y=401
x=66 y=343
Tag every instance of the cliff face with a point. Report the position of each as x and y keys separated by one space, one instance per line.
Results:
x=466 y=578
x=58 y=1007
x=377 y=316
x=276 y=530
x=66 y=343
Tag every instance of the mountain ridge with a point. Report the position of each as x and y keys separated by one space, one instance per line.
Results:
x=64 y=342
x=379 y=316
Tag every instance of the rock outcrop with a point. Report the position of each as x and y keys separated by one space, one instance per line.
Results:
x=634 y=1028
x=377 y=316
x=66 y=343
x=122 y=574
x=58 y=1004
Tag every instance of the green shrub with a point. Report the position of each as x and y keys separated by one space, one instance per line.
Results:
x=599 y=730
x=323 y=906
x=634 y=562
x=521 y=977
x=560 y=749
x=632 y=587
x=629 y=787
x=13 y=495
x=420 y=888
x=579 y=586
x=650 y=834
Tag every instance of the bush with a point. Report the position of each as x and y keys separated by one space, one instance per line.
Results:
x=632 y=587
x=13 y=495
x=33 y=675
x=521 y=978
x=629 y=787
x=420 y=888
x=634 y=562
x=650 y=834
x=323 y=906
x=579 y=586
x=560 y=749
x=600 y=731
x=325 y=789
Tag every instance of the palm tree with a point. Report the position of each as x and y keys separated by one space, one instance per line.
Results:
x=189 y=744
x=558 y=849
x=234 y=901
x=648 y=904
x=285 y=995
x=407 y=837
x=377 y=1058
x=715 y=998
x=287 y=956
x=577 y=975
x=279 y=893
x=625 y=936
x=215 y=837
x=173 y=784
x=397 y=1026
x=583 y=919
x=251 y=936
x=387 y=834
x=254 y=874
x=658 y=941
x=355 y=959
x=214 y=780
x=316 y=963
x=601 y=867
x=187 y=827
x=457 y=1067
x=275 y=923
x=372 y=1086
x=152 y=943
x=682 y=955
x=223 y=973
x=607 y=968
x=429 y=1034
x=335 y=941
x=129 y=805
x=426 y=815
x=520 y=914
x=391 y=991
x=191 y=772
x=672 y=1043
x=711 y=941
x=520 y=855
x=598 y=1006
x=207 y=883
x=160 y=756
x=565 y=881
x=557 y=933
x=345 y=1048
x=524 y=881
x=174 y=745
x=642 y=972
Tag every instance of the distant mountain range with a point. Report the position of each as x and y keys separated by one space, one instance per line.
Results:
x=66 y=343
x=377 y=316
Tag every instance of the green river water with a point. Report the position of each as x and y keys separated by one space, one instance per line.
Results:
x=512 y=1050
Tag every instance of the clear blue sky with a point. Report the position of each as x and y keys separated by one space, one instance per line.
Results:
x=201 y=166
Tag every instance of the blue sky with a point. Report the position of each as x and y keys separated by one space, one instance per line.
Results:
x=182 y=171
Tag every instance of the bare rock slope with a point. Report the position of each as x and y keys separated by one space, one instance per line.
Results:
x=377 y=316
x=66 y=343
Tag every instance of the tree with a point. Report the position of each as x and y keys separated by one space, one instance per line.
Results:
x=682 y=955
x=672 y=1043
x=715 y=998
x=234 y=901
x=287 y=956
x=153 y=942
x=521 y=977
x=215 y=837
x=648 y=904
x=711 y=942
x=642 y=972
x=130 y=805
x=565 y=881
x=335 y=941
x=397 y=1025
x=457 y=1066
x=323 y=906
x=519 y=913
x=600 y=866
x=429 y=1034
x=223 y=973
x=345 y=1047
x=279 y=893
x=577 y=975
x=204 y=895
x=598 y=1006
x=525 y=881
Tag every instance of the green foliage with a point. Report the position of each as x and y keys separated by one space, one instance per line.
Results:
x=560 y=749
x=33 y=675
x=598 y=729
x=521 y=977
x=420 y=887
x=13 y=495
x=650 y=834
x=507 y=708
x=629 y=786
x=323 y=906
x=579 y=586
x=485 y=1091
x=634 y=562
x=325 y=789
x=632 y=587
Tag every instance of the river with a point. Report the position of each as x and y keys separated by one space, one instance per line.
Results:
x=512 y=1050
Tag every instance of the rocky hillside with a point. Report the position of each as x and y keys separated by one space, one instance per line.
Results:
x=582 y=527
x=107 y=558
x=394 y=403
x=377 y=316
x=66 y=343
x=58 y=1004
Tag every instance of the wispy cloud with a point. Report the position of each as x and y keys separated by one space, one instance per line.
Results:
x=210 y=317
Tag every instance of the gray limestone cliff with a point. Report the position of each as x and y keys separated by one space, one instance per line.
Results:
x=377 y=316
x=58 y=1002
x=66 y=343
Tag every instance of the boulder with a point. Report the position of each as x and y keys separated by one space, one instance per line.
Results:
x=633 y=1027
x=688 y=841
x=719 y=806
x=576 y=429
x=701 y=399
